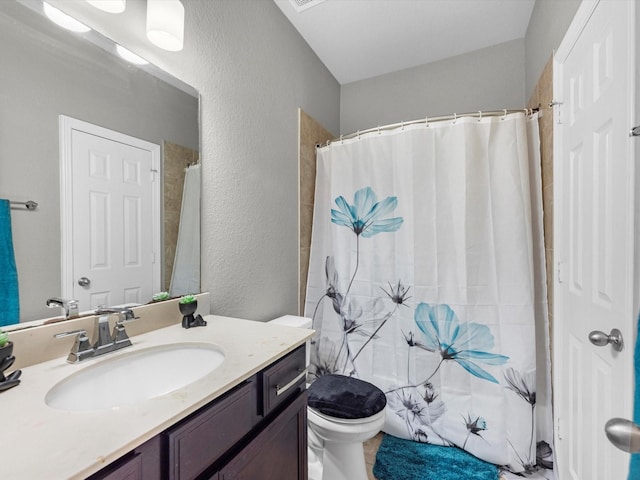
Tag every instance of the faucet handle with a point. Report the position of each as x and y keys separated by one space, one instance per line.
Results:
x=125 y=317
x=80 y=333
x=82 y=347
x=120 y=337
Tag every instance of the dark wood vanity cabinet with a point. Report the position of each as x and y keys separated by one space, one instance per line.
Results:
x=256 y=431
x=278 y=452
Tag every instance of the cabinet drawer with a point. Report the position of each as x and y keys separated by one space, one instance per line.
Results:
x=283 y=379
x=201 y=440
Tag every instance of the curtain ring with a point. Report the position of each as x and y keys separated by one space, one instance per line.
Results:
x=378 y=129
x=505 y=114
x=341 y=139
x=402 y=125
x=426 y=121
x=358 y=133
x=455 y=118
x=480 y=115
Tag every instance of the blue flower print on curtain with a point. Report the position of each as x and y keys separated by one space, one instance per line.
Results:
x=468 y=344
x=461 y=343
x=475 y=426
x=363 y=217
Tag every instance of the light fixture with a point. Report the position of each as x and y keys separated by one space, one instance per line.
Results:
x=165 y=24
x=129 y=56
x=111 y=6
x=63 y=20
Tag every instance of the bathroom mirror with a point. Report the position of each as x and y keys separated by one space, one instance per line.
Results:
x=47 y=72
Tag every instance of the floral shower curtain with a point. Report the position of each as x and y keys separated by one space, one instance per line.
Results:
x=426 y=278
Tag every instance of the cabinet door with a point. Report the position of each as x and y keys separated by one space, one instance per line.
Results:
x=279 y=452
x=202 y=439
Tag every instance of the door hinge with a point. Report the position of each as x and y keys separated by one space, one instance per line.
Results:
x=558 y=433
x=154 y=174
x=560 y=271
x=556 y=111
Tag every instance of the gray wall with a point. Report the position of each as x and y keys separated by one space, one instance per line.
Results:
x=253 y=71
x=549 y=22
x=46 y=72
x=487 y=79
x=257 y=72
x=501 y=76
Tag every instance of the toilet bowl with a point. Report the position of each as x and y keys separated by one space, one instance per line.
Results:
x=341 y=415
x=340 y=444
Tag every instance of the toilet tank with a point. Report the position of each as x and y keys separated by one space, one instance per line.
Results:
x=293 y=321
x=298 y=322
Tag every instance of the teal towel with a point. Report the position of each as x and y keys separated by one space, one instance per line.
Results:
x=9 y=300
x=399 y=459
x=634 y=468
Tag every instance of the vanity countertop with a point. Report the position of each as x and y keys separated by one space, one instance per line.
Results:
x=37 y=441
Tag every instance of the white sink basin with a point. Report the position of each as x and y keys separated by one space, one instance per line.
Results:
x=132 y=378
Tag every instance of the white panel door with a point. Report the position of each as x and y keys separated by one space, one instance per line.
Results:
x=114 y=222
x=594 y=228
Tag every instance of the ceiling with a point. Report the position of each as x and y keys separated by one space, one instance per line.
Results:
x=358 y=39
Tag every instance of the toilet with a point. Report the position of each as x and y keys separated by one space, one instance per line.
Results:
x=342 y=413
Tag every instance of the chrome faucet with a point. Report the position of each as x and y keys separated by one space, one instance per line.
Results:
x=105 y=342
x=102 y=341
x=70 y=307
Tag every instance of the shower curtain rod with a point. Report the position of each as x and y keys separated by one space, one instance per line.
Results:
x=427 y=120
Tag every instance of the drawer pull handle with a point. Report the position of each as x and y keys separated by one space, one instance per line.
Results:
x=280 y=390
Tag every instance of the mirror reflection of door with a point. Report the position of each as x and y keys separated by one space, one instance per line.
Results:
x=110 y=205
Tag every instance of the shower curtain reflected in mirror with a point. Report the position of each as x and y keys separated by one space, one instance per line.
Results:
x=185 y=278
x=427 y=279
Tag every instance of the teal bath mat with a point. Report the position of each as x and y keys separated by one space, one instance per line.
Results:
x=400 y=459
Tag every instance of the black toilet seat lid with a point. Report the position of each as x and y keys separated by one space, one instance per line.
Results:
x=345 y=397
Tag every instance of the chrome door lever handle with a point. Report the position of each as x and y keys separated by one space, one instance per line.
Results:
x=624 y=434
x=601 y=339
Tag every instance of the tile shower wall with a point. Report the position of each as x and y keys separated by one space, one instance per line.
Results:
x=311 y=134
x=542 y=97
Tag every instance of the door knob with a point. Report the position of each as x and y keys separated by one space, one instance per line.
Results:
x=624 y=434
x=601 y=339
x=84 y=282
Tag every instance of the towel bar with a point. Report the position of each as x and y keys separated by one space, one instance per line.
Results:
x=30 y=204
